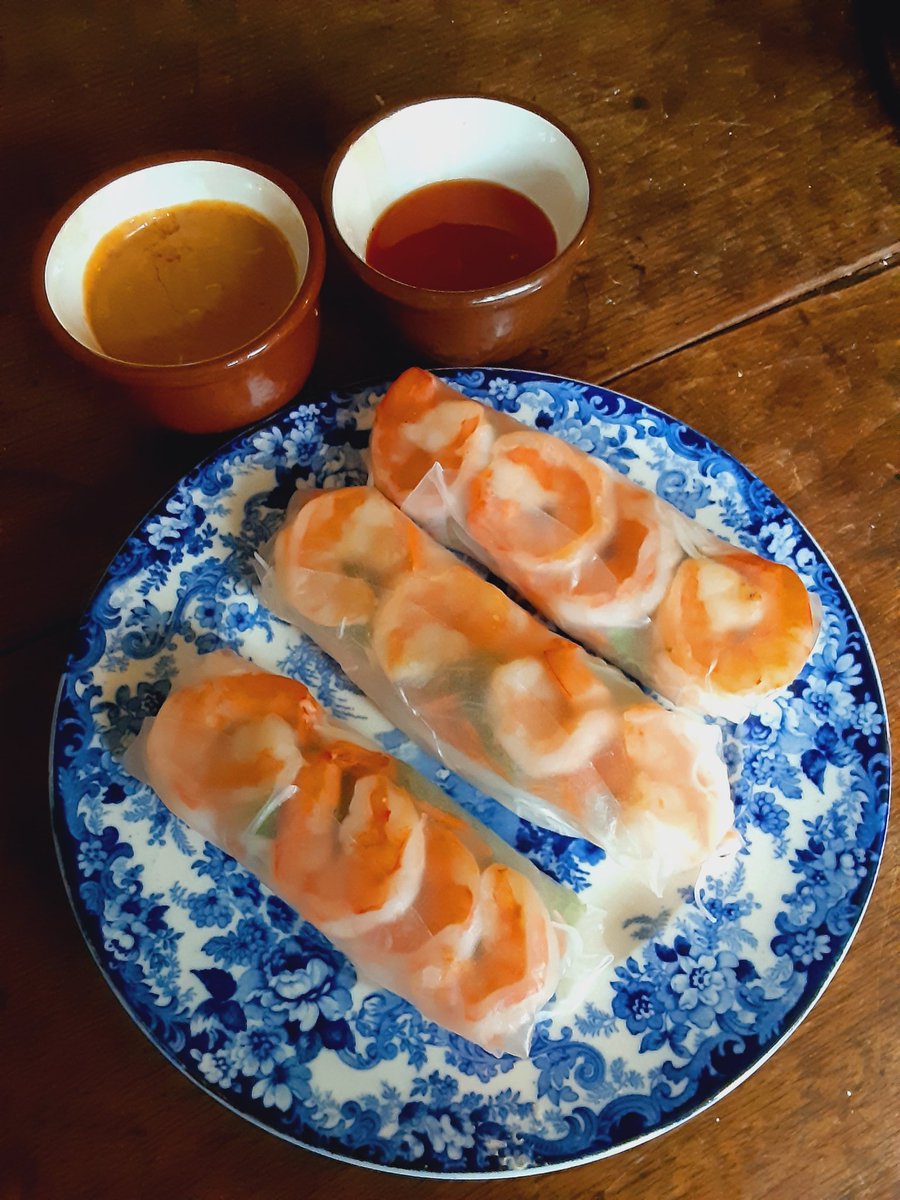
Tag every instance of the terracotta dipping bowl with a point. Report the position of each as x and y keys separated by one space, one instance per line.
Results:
x=220 y=393
x=463 y=137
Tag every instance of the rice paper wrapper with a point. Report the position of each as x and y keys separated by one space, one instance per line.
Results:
x=560 y=737
x=707 y=625
x=422 y=898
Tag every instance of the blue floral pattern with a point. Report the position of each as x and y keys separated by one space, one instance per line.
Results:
x=262 y=1011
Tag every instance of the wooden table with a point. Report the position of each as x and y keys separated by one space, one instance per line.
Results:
x=743 y=278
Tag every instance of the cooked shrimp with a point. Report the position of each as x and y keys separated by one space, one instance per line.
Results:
x=733 y=625
x=350 y=852
x=433 y=620
x=676 y=794
x=227 y=744
x=550 y=713
x=540 y=506
x=423 y=422
x=440 y=927
x=624 y=581
x=514 y=968
x=337 y=549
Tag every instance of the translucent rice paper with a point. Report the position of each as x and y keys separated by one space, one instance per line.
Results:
x=709 y=626
x=420 y=897
x=530 y=718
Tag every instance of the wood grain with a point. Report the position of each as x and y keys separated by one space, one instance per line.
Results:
x=746 y=171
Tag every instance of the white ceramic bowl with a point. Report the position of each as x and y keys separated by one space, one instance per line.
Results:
x=463 y=137
x=145 y=190
x=220 y=393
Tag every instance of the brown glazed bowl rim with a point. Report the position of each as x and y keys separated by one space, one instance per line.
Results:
x=184 y=374
x=436 y=298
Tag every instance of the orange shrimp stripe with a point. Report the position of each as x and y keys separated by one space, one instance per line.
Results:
x=764 y=656
x=214 y=708
x=398 y=466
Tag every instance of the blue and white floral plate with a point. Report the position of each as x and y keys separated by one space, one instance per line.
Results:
x=261 y=1012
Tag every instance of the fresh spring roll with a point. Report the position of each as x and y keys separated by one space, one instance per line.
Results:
x=710 y=626
x=420 y=897
x=530 y=718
